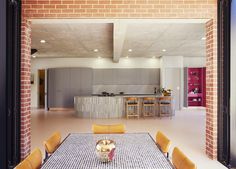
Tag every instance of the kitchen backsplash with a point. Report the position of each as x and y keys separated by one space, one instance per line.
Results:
x=129 y=89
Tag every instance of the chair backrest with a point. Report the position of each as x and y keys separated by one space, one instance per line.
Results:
x=163 y=142
x=35 y=159
x=181 y=161
x=165 y=98
x=108 y=129
x=132 y=99
x=52 y=143
x=149 y=98
x=25 y=164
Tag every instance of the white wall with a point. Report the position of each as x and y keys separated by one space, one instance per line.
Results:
x=46 y=63
x=194 y=61
x=171 y=66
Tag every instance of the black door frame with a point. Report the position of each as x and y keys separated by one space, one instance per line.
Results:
x=10 y=51
x=3 y=107
x=223 y=147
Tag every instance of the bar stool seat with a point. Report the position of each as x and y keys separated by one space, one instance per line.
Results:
x=149 y=107
x=132 y=107
x=165 y=106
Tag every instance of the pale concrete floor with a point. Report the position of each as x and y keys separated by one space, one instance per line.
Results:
x=186 y=130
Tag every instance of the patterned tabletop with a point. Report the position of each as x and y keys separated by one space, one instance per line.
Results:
x=133 y=151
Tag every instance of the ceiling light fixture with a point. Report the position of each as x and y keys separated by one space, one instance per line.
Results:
x=42 y=41
x=33 y=56
x=203 y=38
x=130 y=50
x=163 y=50
x=95 y=50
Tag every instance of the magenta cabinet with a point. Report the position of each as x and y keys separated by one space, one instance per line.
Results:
x=197 y=87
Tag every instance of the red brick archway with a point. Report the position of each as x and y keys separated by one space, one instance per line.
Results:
x=155 y=9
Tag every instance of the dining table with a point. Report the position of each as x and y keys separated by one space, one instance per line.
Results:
x=133 y=151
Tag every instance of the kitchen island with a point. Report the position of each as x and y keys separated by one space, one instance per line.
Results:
x=105 y=106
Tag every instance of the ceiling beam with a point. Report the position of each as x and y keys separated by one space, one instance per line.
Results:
x=119 y=32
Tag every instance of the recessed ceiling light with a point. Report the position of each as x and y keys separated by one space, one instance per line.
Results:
x=95 y=50
x=42 y=41
x=163 y=50
x=33 y=56
x=203 y=38
x=130 y=50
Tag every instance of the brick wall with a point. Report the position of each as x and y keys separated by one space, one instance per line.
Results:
x=211 y=90
x=158 y=9
x=25 y=88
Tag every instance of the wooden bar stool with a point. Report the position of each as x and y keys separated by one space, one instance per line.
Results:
x=149 y=107
x=165 y=106
x=132 y=107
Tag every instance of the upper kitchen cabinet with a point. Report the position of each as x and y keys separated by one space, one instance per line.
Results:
x=108 y=76
x=103 y=77
x=97 y=76
x=154 y=76
x=126 y=77
x=149 y=76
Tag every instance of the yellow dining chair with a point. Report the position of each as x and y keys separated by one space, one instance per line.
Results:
x=163 y=142
x=108 y=129
x=181 y=161
x=35 y=159
x=25 y=164
x=52 y=143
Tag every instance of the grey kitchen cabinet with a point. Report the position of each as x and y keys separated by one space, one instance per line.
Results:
x=86 y=81
x=137 y=76
x=65 y=83
x=143 y=76
x=75 y=81
x=127 y=76
x=98 y=76
x=149 y=76
x=58 y=87
x=51 y=87
x=108 y=76
x=103 y=77
x=154 y=76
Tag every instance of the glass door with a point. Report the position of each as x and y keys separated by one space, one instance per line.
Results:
x=233 y=86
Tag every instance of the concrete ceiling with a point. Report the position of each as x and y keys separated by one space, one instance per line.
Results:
x=73 y=40
x=113 y=40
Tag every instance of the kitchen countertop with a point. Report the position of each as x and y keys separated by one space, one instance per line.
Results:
x=125 y=95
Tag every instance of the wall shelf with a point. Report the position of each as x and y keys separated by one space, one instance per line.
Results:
x=196 y=87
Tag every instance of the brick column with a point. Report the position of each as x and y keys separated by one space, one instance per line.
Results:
x=25 y=88
x=211 y=89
